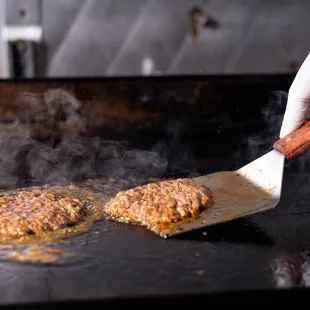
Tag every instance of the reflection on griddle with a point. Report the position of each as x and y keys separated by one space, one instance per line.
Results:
x=287 y=271
x=291 y=268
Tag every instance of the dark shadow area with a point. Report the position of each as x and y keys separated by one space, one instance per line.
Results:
x=240 y=231
x=248 y=297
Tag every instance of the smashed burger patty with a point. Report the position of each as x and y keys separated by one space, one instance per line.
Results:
x=33 y=212
x=160 y=203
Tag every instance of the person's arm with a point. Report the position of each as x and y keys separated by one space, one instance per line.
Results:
x=298 y=103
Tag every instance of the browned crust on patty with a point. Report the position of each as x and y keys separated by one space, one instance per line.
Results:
x=159 y=203
x=33 y=212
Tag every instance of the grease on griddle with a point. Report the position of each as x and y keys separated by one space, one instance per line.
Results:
x=33 y=254
x=200 y=272
x=39 y=254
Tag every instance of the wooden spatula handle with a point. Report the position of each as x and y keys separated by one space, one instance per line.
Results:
x=295 y=143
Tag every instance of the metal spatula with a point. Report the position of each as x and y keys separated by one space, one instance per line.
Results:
x=252 y=189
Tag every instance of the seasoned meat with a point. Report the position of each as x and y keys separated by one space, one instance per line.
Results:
x=164 y=202
x=33 y=212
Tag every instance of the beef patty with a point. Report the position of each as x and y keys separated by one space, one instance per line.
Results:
x=159 y=203
x=33 y=212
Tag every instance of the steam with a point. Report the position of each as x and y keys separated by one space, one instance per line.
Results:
x=272 y=117
x=45 y=144
x=175 y=151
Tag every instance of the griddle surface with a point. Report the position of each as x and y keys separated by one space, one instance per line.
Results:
x=218 y=123
x=131 y=261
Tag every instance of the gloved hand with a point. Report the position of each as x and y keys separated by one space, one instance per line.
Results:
x=298 y=103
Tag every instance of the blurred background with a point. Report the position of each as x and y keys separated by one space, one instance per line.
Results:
x=91 y=38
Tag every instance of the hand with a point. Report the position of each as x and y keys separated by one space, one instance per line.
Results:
x=298 y=102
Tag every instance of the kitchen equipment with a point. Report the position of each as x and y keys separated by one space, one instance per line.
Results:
x=254 y=188
x=199 y=125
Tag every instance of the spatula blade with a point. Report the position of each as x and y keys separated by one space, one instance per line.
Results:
x=267 y=172
x=254 y=188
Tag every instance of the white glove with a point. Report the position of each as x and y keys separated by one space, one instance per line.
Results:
x=298 y=102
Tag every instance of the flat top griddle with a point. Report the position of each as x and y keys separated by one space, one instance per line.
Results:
x=261 y=252
x=130 y=261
